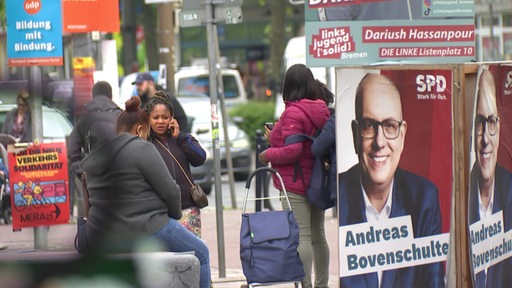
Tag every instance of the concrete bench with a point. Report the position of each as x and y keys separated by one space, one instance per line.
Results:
x=144 y=269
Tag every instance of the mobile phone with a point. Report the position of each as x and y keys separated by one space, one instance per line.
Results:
x=269 y=125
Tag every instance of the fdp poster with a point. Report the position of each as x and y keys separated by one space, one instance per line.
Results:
x=490 y=187
x=395 y=176
x=34 y=32
x=39 y=181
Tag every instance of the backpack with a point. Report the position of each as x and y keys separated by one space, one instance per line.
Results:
x=318 y=192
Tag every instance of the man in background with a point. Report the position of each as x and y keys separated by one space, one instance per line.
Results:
x=96 y=125
x=146 y=88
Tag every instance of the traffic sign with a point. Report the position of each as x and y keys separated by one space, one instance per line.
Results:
x=193 y=13
x=228 y=14
x=192 y=18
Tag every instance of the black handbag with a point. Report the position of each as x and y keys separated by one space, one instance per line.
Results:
x=196 y=191
x=198 y=196
x=81 y=243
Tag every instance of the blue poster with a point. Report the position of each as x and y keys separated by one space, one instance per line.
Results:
x=34 y=32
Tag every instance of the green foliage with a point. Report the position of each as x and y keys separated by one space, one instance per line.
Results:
x=3 y=20
x=254 y=115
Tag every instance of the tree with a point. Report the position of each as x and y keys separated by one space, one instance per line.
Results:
x=277 y=45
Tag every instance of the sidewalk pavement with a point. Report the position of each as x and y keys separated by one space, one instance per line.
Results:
x=60 y=238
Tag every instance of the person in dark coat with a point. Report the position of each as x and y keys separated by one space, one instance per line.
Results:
x=96 y=125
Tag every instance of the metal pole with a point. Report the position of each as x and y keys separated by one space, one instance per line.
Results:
x=40 y=233
x=227 y=143
x=260 y=146
x=211 y=31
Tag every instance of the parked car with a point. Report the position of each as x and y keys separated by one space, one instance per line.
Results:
x=196 y=79
x=192 y=80
x=198 y=109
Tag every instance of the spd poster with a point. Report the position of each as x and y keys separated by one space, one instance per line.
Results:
x=490 y=181
x=394 y=159
x=39 y=185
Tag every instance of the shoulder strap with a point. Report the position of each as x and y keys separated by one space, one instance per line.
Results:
x=296 y=138
x=177 y=162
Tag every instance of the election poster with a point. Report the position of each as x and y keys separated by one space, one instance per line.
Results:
x=34 y=32
x=77 y=16
x=371 y=32
x=394 y=175
x=39 y=185
x=490 y=187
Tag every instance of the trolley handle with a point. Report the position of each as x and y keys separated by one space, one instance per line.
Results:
x=255 y=172
x=248 y=185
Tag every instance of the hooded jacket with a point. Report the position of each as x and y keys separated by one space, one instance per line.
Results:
x=98 y=124
x=131 y=193
x=299 y=117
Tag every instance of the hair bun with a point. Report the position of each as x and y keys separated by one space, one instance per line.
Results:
x=132 y=105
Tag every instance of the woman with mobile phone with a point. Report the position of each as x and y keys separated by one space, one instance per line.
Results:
x=179 y=150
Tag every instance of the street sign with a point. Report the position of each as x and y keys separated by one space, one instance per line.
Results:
x=228 y=14
x=228 y=2
x=192 y=18
x=193 y=13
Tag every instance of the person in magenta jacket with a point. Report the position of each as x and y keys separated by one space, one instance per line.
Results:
x=305 y=112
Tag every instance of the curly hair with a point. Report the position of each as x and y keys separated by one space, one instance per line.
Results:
x=160 y=97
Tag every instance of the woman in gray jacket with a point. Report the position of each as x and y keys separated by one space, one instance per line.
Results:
x=133 y=197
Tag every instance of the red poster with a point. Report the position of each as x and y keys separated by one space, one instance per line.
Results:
x=39 y=185
x=427 y=102
x=490 y=182
x=83 y=80
x=394 y=159
x=77 y=16
x=503 y=81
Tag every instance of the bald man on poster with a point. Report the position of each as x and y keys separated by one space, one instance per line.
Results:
x=491 y=184
x=376 y=189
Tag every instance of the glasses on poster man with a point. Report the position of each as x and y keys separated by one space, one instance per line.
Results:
x=369 y=128
x=489 y=124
